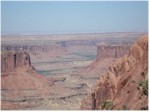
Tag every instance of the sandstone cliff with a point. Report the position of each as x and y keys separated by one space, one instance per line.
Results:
x=115 y=51
x=11 y=60
x=125 y=86
x=20 y=81
x=33 y=48
x=106 y=55
x=37 y=52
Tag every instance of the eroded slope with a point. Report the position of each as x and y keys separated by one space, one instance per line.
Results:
x=125 y=85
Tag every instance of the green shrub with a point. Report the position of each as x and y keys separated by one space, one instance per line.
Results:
x=144 y=85
x=107 y=105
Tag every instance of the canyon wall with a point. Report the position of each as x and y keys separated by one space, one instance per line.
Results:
x=20 y=83
x=38 y=52
x=33 y=48
x=11 y=60
x=79 y=43
x=114 y=51
x=125 y=86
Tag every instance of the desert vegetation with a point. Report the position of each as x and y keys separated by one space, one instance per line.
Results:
x=107 y=105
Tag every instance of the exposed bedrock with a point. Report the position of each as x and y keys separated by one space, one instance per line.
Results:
x=125 y=86
x=115 y=51
x=38 y=52
x=20 y=82
x=11 y=60
x=42 y=48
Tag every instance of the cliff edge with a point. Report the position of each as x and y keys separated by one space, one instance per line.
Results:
x=12 y=60
x=20 y=82
x=125 y=86
x=111 y=51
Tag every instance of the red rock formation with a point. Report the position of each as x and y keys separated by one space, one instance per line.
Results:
x=120 y=87
x=12 y=60
x=115 y=51
x=38 y=52
x=106 y=55
x=32 y=48
x=19 y=81
x=36 y=49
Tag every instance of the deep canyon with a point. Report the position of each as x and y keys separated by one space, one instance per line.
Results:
x=64 y=72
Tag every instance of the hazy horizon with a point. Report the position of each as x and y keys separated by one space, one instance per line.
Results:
x=82 y=33
x=28 y=17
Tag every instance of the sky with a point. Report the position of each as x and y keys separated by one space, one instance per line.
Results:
x=32 y=17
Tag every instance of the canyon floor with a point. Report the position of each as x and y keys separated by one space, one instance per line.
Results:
x=72 y=65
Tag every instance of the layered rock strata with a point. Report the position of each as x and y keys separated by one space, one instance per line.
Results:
x=115 y=51
x=20 y=82
x=11 y=60
x=125 y=86
x=32 y=48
